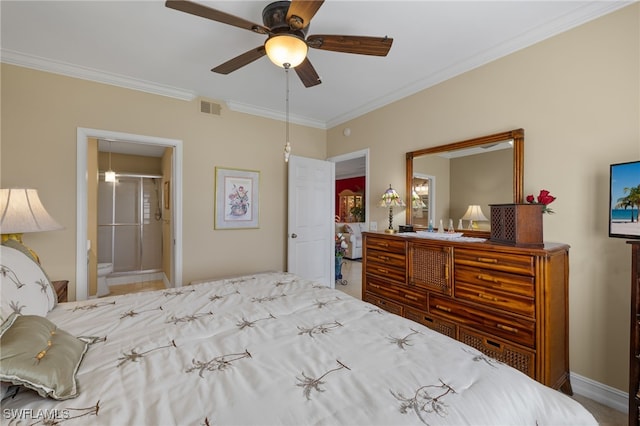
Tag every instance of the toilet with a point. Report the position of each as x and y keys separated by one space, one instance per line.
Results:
x=104 y=269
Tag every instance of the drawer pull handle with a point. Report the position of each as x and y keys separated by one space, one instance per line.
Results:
x=484 y=296
x=492 y=343
x=487 y=260
x=489 y=278
x=385 y=258
x=374 y=285
x=408 y=296
x=384 y=271
x=383 y=244
x=443 y=308
x=507 y=328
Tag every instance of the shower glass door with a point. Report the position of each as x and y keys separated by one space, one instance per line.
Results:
x=129 y=224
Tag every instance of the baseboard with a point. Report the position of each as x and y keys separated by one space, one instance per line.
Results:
x=601 y=393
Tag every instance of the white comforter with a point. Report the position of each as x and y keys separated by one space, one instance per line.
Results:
x=274 y=349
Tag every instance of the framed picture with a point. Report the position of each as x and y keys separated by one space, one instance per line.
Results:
x=236 y=198
x=624 y=200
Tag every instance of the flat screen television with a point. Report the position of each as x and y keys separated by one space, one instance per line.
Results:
x=624 y=200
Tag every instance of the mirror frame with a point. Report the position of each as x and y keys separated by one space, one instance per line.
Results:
x=518 y=165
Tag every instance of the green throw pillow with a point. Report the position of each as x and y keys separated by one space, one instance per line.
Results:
x=38 y=355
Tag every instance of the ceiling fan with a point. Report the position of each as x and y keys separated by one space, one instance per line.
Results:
x=286 y=23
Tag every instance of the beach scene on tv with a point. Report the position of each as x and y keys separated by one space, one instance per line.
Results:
x=625 y=199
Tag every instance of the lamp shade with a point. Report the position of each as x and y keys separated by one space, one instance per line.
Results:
x=22 y=211
x=416 y=201
x=474 y=212
x=390 y=198
x=286 y=49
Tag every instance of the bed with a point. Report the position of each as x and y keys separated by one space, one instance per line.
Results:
x=263 y=349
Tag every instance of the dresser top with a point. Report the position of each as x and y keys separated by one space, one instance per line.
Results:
x=475 y=244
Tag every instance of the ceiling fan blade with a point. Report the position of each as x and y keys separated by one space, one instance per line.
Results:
x=302 y=11
x=307 y=74
x=216 y=15
x=376 y=46
x=240 y=61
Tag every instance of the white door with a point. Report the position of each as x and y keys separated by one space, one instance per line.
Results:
x=311 y=227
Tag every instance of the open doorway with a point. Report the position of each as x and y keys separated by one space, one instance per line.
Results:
x=133 y=227
x=352 y=170
x=171 y=195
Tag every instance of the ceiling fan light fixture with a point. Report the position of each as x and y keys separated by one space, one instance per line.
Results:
x=286 y=49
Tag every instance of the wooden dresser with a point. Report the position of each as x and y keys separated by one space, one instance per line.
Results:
x=634 y=353
x=511 y=303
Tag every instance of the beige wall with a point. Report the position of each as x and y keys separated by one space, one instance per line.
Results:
x=40 y=115
x=577 y=96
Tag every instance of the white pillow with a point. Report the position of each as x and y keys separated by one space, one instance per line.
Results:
x=24 y=287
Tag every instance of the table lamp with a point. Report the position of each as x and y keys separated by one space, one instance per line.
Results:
x=473 y=215
x=389 y=199
x=22 y=211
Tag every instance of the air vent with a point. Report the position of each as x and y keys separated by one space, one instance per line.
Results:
x=209 y=107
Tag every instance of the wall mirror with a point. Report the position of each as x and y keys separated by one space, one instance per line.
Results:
x=444 y=181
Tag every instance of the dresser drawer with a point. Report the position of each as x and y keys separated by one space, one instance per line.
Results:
x=501 y=290
x=516 y=357
x=388 y=306
x=396 y=293
x=383 y=259
x=386 y=244
x=496 y=299
x=513 y=329
x=507 y=262
x=444 y=327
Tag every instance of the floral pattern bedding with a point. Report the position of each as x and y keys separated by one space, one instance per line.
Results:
x=275 y=349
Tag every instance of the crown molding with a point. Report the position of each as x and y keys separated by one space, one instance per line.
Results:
x=57 y=67
x=276 y=115
x=589 y=12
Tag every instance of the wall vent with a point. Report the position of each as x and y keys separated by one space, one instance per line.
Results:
x=209 y=107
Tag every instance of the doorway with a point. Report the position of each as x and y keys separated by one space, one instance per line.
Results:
x=174 y=198
x=355 y=164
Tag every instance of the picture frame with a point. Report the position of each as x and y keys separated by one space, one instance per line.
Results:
x=236 y=198
x=624 y=190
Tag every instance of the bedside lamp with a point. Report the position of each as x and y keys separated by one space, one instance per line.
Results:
x=389 y=199
x=474 y=214
x=22 y=211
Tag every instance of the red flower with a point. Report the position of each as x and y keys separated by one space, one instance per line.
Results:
x=545 y=198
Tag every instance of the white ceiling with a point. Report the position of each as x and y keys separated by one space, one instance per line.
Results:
x=147 y=46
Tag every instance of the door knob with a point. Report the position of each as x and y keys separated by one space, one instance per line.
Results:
x=294 y=236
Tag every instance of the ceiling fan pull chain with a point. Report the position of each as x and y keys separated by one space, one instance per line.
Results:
x=287 y=146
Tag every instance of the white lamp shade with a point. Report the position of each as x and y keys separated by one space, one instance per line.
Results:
x=474 y=213
x=286 y=49
x=22 y=211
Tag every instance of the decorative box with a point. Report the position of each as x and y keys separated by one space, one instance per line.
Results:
x=517 y=224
